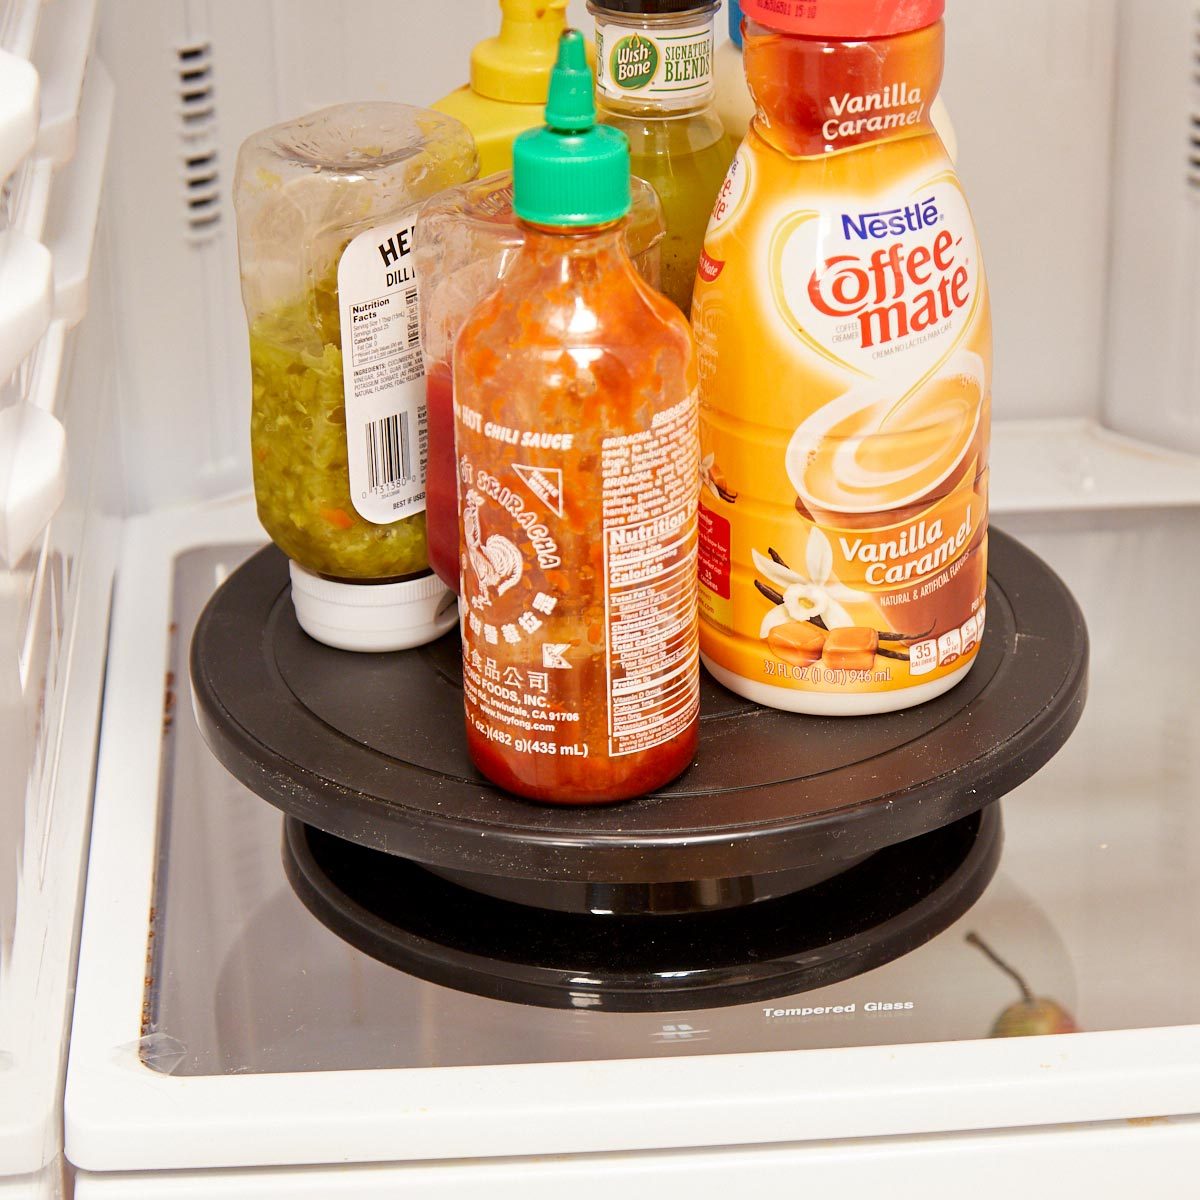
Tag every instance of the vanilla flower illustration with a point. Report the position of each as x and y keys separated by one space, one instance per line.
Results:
x=820 y=594
x=711 y=478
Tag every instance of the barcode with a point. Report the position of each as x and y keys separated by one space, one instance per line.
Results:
x=389 y=452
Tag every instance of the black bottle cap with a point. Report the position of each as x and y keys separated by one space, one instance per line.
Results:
x=650 y=8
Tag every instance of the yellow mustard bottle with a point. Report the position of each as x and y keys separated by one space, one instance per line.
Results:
x=510 y=79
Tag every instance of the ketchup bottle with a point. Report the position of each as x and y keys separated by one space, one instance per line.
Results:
x=578 y=467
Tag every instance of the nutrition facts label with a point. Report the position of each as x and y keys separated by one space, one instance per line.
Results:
x=385 y=342
x=650 y=482
x=384 y=375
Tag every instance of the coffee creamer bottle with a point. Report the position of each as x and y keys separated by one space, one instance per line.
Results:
x=844 y=330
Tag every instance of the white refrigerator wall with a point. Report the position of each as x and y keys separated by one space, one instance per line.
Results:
x=1153 y=384
x=1030 y=84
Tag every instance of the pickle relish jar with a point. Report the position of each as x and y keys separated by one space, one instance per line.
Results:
x=326 y=206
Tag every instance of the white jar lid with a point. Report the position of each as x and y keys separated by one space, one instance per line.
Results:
x=373 y=617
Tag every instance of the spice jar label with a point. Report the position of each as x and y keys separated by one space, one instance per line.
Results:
x=384 y=374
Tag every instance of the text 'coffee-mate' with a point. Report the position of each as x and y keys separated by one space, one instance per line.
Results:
x=844 y=330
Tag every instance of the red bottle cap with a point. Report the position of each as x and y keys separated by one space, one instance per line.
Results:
x=844 y=19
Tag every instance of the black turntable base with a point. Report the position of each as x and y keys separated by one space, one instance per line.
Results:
x=866 y=916
x=800 y=833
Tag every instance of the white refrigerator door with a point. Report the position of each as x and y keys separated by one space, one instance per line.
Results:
x=59 y=521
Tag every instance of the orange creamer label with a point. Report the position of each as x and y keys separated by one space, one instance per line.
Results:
x=844 y=330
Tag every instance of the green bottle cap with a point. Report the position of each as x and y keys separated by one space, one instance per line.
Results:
x=572 y=172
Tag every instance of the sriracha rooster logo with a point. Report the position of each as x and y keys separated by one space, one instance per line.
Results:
x=496 y=562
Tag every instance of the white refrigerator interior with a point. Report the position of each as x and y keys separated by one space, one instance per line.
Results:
x=60 y=511
x=224 y=1043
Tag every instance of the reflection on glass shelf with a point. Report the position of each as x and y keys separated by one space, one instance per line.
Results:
x=1096 y=905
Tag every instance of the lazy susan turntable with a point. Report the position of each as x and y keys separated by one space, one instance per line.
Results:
x=784 y=823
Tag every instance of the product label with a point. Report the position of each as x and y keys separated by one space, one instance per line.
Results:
x=853 y=117
x=650 y=580
x=674 y=64
x=845 y=364
x=893 y=281
x=533 y=641
x=386 y=437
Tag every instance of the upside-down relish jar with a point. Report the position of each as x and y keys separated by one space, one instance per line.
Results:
x=326 y=206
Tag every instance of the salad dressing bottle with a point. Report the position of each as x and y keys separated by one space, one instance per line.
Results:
x=654 y=76
x=844 y=332
x=576 y=436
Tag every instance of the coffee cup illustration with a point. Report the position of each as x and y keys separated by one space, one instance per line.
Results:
x=870 y=459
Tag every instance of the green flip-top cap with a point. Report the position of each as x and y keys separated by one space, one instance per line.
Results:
x=572 y=172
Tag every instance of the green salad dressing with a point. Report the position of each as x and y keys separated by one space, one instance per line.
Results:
x=655 y=83
x=685 y=160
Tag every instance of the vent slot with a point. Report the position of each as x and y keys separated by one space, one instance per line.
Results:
x=197 y=131
x=1193 y=172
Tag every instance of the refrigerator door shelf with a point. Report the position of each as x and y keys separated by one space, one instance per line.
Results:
x=74 y=209
x=64 y=44
x=33 y=461
x=62 y=59
x=19 y=26
x=33 y=477
x=18 y=111
x=26 y=297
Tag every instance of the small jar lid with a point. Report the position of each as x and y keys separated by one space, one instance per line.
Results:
x=372 y=617
x=846 y=19
x=654 y=8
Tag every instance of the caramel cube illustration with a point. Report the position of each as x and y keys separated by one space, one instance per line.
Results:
x=851 y=649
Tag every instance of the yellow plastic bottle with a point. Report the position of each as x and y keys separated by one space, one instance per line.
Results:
x=510 y=79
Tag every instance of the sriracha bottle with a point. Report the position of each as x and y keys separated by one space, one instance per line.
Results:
x=578 y=480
